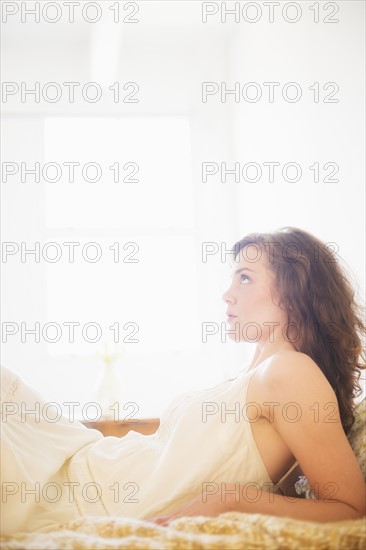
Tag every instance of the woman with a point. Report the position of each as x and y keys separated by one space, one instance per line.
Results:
x=290 y=295
x=224 y=448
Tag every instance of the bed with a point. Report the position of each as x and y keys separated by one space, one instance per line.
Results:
x=231 y=530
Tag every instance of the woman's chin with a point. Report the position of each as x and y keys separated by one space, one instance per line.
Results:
x=242 y=333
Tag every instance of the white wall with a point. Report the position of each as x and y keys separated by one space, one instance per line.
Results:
x=170 y=52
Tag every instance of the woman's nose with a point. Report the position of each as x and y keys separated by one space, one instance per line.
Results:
x=227 y=296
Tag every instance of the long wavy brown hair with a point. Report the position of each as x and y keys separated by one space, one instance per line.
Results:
x=319 y=300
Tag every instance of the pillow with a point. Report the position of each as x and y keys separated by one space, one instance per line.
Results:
x=357 y=440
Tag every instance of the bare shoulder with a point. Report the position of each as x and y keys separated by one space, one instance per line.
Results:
x=304 y=412
x=294 y=374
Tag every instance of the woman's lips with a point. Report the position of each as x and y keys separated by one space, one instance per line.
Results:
x=231 y=317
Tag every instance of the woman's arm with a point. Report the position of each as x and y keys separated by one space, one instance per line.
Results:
x=233 y=497
x=304 y=410
x=261 y=502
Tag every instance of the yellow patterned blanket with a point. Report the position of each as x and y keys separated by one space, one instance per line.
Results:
x=231 y=531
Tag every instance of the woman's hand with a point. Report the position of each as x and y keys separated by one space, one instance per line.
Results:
x=195 y=507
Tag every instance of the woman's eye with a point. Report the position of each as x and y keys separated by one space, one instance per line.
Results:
x=245 y=277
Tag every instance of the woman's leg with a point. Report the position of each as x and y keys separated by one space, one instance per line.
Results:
x=33 y=447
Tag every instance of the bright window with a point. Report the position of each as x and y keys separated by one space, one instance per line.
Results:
x=151 y=296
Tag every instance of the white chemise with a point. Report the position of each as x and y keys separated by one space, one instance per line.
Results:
x=53 y=472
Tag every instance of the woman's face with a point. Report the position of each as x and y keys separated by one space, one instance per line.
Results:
x=251 y=299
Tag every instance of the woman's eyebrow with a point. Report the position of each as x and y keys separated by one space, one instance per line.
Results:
x=244 y=269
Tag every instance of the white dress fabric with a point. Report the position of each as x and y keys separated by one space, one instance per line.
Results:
x=53 y=472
